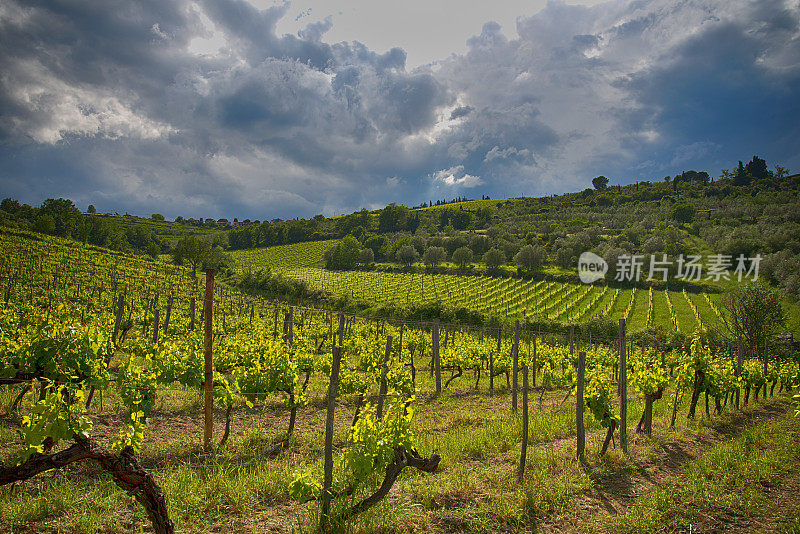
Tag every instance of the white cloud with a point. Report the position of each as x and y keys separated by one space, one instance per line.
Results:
x=497 y=153
x=456 y=177
x=57 y=109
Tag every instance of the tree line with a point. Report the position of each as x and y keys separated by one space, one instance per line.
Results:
x=60 y=217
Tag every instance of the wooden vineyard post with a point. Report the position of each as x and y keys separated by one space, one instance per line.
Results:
x=413 y=368
x=118 y=318
x=155 y=315
x=208 y=355
x=288 y=326
x=579 y=406
x=341 y=329
x=524 y=453
x=623 y=389
x=515 y=369
x=191 y=314
x=169 y=312
x=533 y=372
x=327 y=480
x=766 y=359
x=436 y=362
x=155 y=325
x=384 y=371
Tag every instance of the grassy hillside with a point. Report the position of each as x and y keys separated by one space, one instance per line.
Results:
x=503 y=297
x=470 y=205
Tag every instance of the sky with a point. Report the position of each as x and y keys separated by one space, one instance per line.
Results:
x=262 y=109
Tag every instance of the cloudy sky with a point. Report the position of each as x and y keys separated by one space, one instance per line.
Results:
x=259 y=109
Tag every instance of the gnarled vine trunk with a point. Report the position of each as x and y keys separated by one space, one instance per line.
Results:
x=402 y=459
x=646 y=422
x=699 y=377
x=124 y=469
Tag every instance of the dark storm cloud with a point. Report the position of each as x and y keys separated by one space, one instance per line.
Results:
x=110 y=103
x=733 y=84
x=628 y=89
x=460 y=111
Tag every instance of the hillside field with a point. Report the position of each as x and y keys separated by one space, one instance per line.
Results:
x=678 y=311
x=283 y=257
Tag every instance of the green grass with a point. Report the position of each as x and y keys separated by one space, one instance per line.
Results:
x=728 y=478
x=475 y=490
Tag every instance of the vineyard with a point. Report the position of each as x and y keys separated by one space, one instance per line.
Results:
x=508 y=297
x=283 y=257
x=203 y=409
x=676 y=311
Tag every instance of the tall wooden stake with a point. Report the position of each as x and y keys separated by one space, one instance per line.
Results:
x=118 y=318
x=623 y=389
x=155 y=325
x=515 y=369
x=436 y=362
x=208 y=354
x=579 y=406
x=341 y=328
x=169 y=312
x=766 y=359
x=327 y=480
x=524 y=453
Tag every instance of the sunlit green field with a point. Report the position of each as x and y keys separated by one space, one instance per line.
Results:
x=503 y=297
x=281 y=258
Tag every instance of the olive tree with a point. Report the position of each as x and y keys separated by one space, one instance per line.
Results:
x=366 y=256
x=530 y=257
x=407 y=255
x=494 y=258
x=434 y=256
x=462 y=257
